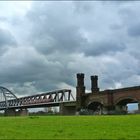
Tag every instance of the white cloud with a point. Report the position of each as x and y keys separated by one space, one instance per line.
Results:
x=14 y=8
x=118 y=85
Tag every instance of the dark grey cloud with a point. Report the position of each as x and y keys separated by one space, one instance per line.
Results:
x=130 y=19
x=134 y=30
x=56 y=32
x=103 y=47
x=6 y=40
x=64 y=40
x=17 y=68
x=83 y=7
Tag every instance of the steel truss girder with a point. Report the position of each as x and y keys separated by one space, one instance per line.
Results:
x=49 y=98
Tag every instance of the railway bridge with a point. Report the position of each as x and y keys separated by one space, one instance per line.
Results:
x=12 y=105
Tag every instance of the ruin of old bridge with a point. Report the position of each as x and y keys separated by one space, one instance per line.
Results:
x=109 y=101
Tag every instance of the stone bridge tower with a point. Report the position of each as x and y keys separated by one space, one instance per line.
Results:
x=94 y=84
x=80 y=91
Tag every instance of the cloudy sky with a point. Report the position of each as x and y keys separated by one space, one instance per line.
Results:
x=44 y=44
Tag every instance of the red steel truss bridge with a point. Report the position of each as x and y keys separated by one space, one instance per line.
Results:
x=8 y=100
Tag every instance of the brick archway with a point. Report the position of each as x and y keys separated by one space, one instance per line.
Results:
x=94 y=103
x=129 y=99
x=88 y=102
x=95 y=107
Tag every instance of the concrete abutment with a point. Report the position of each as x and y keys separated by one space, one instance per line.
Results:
x=67 y=108
x=13 y=112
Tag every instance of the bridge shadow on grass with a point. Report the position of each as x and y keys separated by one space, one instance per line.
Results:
x=34 y=117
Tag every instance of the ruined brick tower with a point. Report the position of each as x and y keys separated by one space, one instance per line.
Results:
x=80 y=91
x=94 y=84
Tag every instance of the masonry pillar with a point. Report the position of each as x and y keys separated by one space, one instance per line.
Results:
x=67 y=109
x=80 y=91
x=94 y=84
x=120 y=109
x=10 y=112
x=104 y=110
x=139 y=107
x=22 y=112
x=109 y=110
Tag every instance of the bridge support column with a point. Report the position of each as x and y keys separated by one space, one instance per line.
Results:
x=22 y=112
x=108 y=110
x=67 y=109
x=13 y=112
x=118 y=108
x=104 y=110
x=10 y=112
x=121 y=109
x=138 y=107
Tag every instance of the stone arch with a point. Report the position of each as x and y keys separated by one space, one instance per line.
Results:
x=124 y=100
x=90 y=100
x=95 y=106
x=121 y=104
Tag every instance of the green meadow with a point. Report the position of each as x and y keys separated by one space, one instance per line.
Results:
x=70 y=127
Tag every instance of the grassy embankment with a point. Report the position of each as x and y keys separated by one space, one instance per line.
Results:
x=70 y=127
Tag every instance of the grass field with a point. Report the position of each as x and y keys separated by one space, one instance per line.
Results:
x=70 y=127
